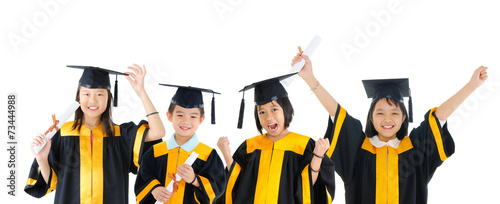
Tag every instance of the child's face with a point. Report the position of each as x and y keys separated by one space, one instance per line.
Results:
x=272 y=119
x=93 y=102
x=387 y=119
x=185 y=120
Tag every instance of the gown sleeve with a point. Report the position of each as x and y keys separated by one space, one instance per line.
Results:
x=36 y=185
x=433 y=143
x=134 y=136
x=146 y=180
x=323 y=190
x=235 y=174
x=346 y=136
x=212 y=179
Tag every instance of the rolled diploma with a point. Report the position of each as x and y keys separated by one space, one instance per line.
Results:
x=63 y=117
x=298 y=66
x=190 y=160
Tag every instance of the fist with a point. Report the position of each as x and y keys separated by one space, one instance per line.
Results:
x=321 y=146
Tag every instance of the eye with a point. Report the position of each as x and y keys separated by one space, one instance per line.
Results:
x=194 y=117
x=179 y=116
x=379 y=113
x=395 y=113
x=262 y=112
x=275 y=109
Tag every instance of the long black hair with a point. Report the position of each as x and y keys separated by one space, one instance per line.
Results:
x=109 y=126
x=287 y=111
x=370 y=129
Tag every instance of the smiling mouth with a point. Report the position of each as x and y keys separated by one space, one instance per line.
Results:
x=93 y=108
x=184 y=128
x=272 y=127
x=388 y=127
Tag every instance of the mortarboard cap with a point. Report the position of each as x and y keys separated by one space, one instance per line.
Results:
x=98 y=78
x=390 y=88
x=191 y=97
x=265 y=91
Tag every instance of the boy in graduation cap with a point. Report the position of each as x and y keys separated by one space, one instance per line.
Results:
x=279 y=166
x=88 y=159
x=384 y=164
x=204 y=181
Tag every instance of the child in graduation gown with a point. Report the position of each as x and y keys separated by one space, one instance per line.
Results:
x=279 y=166
x=384 y=164
x=88 y=160
x=204 y=181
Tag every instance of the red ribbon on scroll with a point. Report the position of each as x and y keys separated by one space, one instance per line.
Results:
x=54 y=124
x=176 y=183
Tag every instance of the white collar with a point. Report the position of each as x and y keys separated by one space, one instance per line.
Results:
x=188 y=146
x=378 y=143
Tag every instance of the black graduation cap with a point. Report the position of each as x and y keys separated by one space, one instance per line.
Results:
x=98 y=78
x=390 y=88
x=191 y=97
x=265 y=91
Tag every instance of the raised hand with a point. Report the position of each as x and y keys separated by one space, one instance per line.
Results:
x=136 y=78
x=223 y=145
x=321 y=146
x=306 y=71
x=479 y=76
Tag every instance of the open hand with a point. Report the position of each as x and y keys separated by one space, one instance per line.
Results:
x=136 y=78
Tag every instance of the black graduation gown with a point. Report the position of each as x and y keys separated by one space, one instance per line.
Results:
x=160 y=161
x=85 y=173
x=386 y=174
x=278 y=172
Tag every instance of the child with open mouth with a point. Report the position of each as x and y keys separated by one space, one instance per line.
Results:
x=279 y=166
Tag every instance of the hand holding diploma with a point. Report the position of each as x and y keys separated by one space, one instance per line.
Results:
x=61 y=119
x=298 y=65
x=182 y=170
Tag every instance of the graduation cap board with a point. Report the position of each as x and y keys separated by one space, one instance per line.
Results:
x=98 y=78
x=191 y=97
x=390 y=88
x=265 y=91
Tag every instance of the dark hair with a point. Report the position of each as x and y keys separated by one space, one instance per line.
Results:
x=370 y=129
x=109 y=126
x=172 y=107
x=287 y=111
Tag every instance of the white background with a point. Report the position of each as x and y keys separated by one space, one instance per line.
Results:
x=437 y=44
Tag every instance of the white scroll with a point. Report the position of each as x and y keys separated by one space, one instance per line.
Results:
x=63 y=117
x=190 y=160
x=298 y=66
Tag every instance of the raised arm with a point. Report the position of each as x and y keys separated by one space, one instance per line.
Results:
x=449 y=106
x=136 y=79
x=306 y=73
x=223 y=145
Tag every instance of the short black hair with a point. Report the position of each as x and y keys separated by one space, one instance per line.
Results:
x=370 y=129
x=172 y=107
x=287 y=111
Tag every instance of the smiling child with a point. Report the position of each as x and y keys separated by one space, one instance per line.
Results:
x=384 y=164
x=204 y=181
